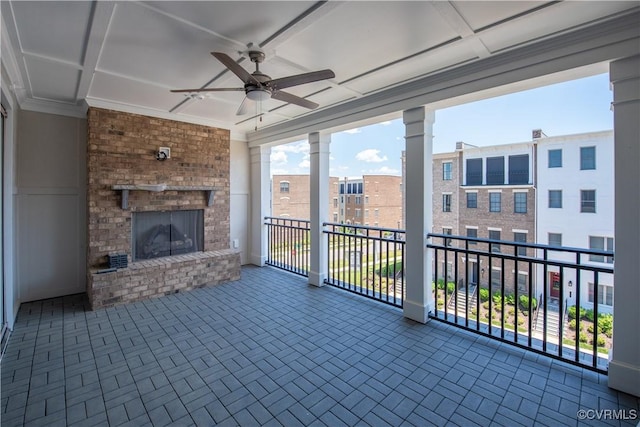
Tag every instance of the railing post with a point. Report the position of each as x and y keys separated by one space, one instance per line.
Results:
x=260 y=203
x=419 y=153
x=624 y=367
x=319 y=192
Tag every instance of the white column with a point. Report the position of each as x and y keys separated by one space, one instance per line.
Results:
x=319 y=180
x=260 y=203
x=418 y=301
x=624 y=366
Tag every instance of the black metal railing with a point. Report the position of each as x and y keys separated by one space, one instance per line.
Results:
x=288 y=244
x=367 y=261
x=493 y=294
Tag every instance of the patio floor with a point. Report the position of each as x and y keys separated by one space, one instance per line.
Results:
x=271 y=350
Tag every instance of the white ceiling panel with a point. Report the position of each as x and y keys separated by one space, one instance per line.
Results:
x=246 y=21
x=147 y=45
x=51 y=80
x=385 y=32
x=480 y=14
x=120 y=90
x=53 y=29
x=547 y=21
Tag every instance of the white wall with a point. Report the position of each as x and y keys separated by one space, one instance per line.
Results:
x=575 y=226
x=239 y=209
x=50 y=205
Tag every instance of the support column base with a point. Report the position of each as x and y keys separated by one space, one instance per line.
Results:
x=624 y=377
x=316 y=279
x=258 y=260
x=415 y=311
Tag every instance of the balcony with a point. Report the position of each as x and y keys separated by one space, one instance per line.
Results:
x=271 y=350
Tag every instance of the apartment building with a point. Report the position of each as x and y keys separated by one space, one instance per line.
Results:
x=373 y=200
x=290 y=196
x=551 y=190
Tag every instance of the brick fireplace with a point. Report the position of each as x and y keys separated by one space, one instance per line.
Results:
x=125 y=178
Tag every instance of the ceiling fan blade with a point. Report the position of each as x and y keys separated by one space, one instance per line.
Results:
x=300 y=79
x=244 y=106
x=235 y=68
x=215 y=89
x=293 y=99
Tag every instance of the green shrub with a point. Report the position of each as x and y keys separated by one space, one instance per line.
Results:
x=511 y=312
x=601 y=341
x=583 y=313
x=520 y=321
x=497 y=297
x=583 y=338
x=572 y=324
x=510 y=299
x=572 y=314
x=440 y=283
x=485 y=305
x=484 y=294
x=451 y=287
x=605 y=323
x=588 y=314
x=524 y=302
x=590 y=329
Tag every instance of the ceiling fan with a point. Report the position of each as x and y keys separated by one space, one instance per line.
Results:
x=259 y=86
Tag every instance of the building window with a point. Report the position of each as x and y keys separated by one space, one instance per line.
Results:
x=358 y=200
x=523 y=280
x=376 y=213
x=348 y=199
x=366 y=200
x=603 y=244
x=335 y=202
x=588 y=201
x=449 y=232
x=473 y=233
x=366 y=213
x=494 y=235
x=519 y=169
x=520 y=202
x=555 y=239
x=495 y=170
x=335 y=217
x=555 y=158
x=496 y=277
x=446 y=171
x=446 y=203
x=357 y=213
x=472 y=200
x=284 y=186
x=495 y=202
x=521 y=238
x=587 y=158
x=555 y=198
x=605 y=294
x=359 y=188
x=474 y=171
x=342 y=188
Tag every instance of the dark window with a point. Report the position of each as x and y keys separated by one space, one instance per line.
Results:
x=519 y=169
x=555 y=239
x=521 y=237
x=446 y=171
x=587 y=158
x=359 y=188
x=495 y=202
x=494 y=235
x=495 y=170
x=555 y=158
x=342 y=188
x=447 y=231
x=520 y=202
x=446 y=203
x=588 y=201
x=605 y=294
x=603 y=244
x=472 y=200
x=555 y=198
x=474 y=171
x=284 y=187
x=472 y=232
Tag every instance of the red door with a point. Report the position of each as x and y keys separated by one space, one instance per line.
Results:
x=554 y=284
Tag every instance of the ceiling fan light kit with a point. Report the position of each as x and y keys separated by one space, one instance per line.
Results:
x=259 y=87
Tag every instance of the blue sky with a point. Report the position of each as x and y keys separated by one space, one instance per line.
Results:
x=566 y=108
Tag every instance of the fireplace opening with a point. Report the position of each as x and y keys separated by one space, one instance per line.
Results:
x=166 y=233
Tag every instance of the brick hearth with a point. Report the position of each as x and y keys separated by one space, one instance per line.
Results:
x=121 y=152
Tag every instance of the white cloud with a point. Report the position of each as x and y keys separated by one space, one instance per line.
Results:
x=304 y=164
x=276 y=171
x=294 y=147
x=278 y=157
x=384 y=170
x=387 y=123
x=352 y=131
x=371 y=156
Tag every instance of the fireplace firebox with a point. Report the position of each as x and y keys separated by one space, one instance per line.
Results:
x=165 y=233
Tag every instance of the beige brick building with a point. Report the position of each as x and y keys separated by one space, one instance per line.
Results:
x=290 y=196
x=373 y=200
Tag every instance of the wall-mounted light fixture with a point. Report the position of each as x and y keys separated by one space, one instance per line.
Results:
x=163 y=153
x=570 y=283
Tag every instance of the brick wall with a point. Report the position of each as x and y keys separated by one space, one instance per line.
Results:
x=121 y=150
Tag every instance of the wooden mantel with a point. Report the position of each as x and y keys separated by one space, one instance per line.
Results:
x=157 y=188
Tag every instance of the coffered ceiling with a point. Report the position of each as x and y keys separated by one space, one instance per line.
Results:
x=61 y=56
